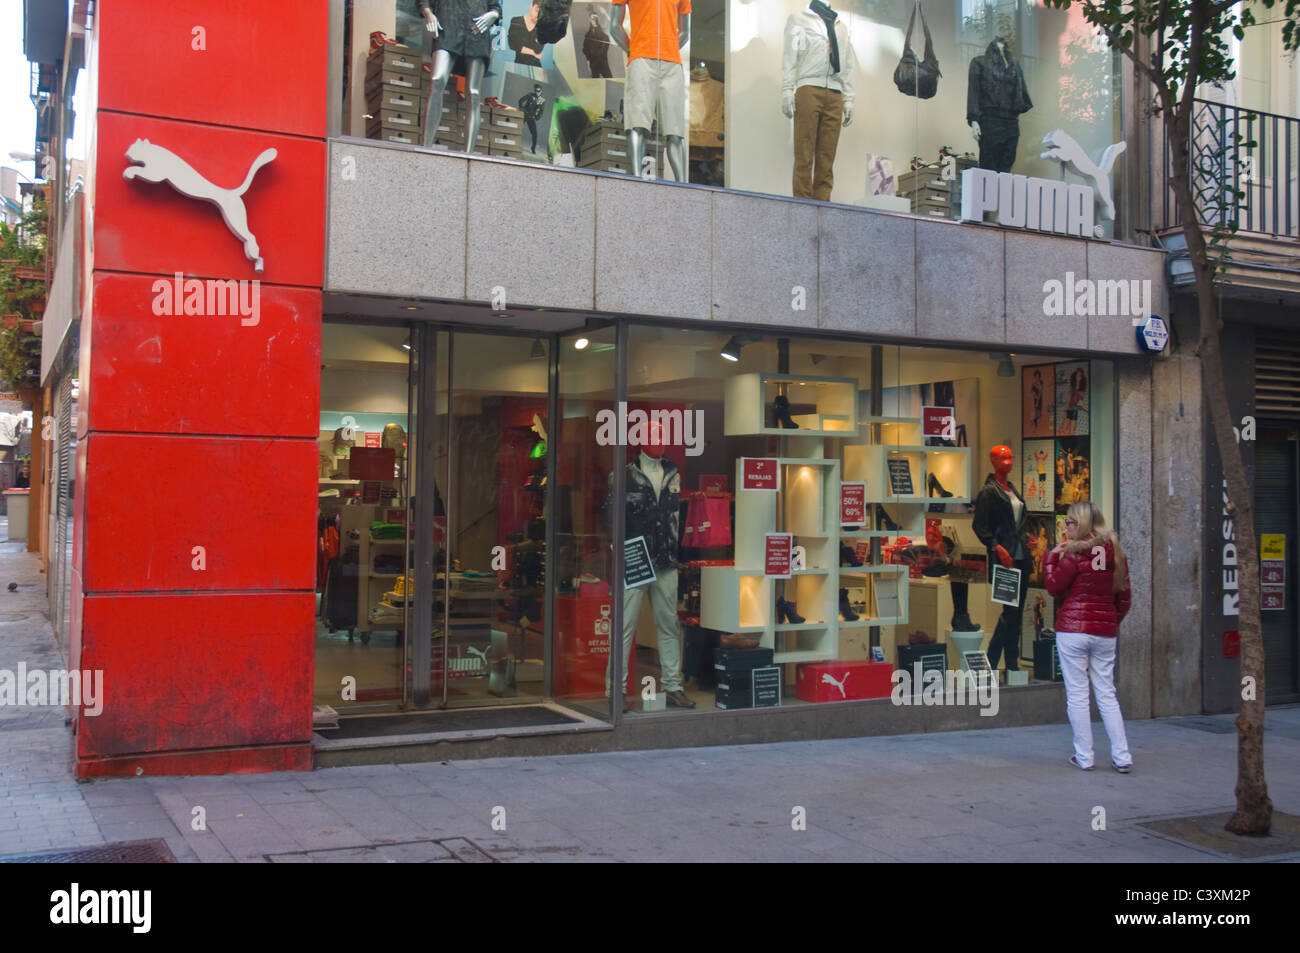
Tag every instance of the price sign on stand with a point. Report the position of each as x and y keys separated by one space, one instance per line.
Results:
x=939 y=422
x=776 y=555
x=759 y=473
x=765 y=686
x=1006 y=586
x=853 y=504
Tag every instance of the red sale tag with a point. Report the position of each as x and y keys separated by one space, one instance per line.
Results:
x=776 y=555
x=374 y=439
x=1231 y=643
x=759 y=473
x=939 y=422
x=853 y=504
x=1272 y=572
x=1272 y=597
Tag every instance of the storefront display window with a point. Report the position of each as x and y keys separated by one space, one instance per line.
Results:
x=882 y=103
x=832 y=525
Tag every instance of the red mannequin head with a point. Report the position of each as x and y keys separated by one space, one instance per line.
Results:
x=934 y=535
x=654 y=447
x=1000 y=457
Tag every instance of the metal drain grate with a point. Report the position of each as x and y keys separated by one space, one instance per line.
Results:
x=447 y=850
x=123 y=852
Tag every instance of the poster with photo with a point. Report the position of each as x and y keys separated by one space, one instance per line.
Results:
x=533 y=98
x=1037 y=475
x=1037 y=400
x=1040 y=537
x=1073 y=471
x=596 y=53
x=1038 y=618
x=1073 y=399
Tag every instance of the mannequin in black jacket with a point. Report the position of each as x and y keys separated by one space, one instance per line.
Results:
x=999 y=522
x=995 y=98
x=653 y=510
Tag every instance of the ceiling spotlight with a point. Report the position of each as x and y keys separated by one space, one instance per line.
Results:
x=538 y=349
x=407 y=343
x=1005 y=367
x=731 y=350
x=580 y=344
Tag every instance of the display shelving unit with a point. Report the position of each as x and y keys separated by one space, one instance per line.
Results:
x=739 y=598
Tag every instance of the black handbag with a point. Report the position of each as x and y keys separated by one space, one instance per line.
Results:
x=552 y=20
x=912 y=78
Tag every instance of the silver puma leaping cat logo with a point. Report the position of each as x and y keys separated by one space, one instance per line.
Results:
x=829 y=679
x=1066 y=150
x=157 y=164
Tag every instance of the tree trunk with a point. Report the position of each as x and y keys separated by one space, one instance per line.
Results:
x=1254 y=814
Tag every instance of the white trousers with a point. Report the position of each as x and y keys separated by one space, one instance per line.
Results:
x=1082 y=655
x=663 y=599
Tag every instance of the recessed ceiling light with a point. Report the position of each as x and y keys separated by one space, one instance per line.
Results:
x=580 y=344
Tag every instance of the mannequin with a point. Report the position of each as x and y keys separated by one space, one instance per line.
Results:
x=463 y=48
x=995 y=97
x=817 y=65
x=655 y=77
x=999 y=523
x=653 y=510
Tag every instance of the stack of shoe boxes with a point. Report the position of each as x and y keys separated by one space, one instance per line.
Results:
x=604 y=148
x=506 y=131
x=450 y=131
x=928 y=192
x=734 y=668
x=394 y=82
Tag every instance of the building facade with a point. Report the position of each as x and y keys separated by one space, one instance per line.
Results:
x=367 y=449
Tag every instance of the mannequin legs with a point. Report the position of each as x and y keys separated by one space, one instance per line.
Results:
x=676 y=149
x=663 y=599
x=998 y=141
x=1007 y=634
x=818 y=118
x=473 y=96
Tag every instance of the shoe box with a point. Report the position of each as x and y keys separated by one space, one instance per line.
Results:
x=733 y=670
x=399 y=60
x=506 y=120
x=395 y=135
x=393 y=119
x=822 y=681
x=730 y=698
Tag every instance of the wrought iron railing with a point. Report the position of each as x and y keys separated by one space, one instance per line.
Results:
x=1245 y=166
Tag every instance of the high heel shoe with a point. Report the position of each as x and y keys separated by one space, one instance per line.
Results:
x=935 y=488
x=883 y=522
x=846 y=610
x=785 y=612
x=781 y=413
x=849 y=556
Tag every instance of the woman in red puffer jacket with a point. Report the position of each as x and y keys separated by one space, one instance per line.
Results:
x=1087 y=571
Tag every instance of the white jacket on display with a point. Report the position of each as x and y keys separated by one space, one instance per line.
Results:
x=806 y=56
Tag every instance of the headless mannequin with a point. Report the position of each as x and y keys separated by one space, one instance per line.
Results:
x=475 y=67
x=636 y=137
x=1001 y=45
x=818 y=108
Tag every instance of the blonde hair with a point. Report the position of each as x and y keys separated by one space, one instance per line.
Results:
x=1091 y=522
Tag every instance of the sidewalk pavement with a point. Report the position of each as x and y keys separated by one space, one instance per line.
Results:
x=1002 y=794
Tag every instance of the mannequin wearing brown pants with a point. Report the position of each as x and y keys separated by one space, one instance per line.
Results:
x=818 y=116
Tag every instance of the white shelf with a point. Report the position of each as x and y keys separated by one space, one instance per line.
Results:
x=821 y=406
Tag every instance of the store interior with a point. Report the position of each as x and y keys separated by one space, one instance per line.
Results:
x=883 y=589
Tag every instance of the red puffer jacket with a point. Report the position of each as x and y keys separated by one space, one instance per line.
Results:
x=1095 y=602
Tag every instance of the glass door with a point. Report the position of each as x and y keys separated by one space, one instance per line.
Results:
x=364 y=587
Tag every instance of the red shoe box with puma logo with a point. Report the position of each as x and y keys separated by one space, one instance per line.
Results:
x=843 y=681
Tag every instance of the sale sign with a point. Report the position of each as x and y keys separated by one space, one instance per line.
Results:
x=374 y=439
x=776 y=555
x=853 y=504
x=759 y=473
x=1272 y=572
x=939 y=422
x=1272 y=597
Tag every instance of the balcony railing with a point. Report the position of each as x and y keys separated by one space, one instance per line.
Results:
x=1235 y=150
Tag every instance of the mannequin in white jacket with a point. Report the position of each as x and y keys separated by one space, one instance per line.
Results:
x=817 y=92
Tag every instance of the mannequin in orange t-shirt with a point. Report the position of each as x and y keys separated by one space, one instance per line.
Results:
x=655 y=77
